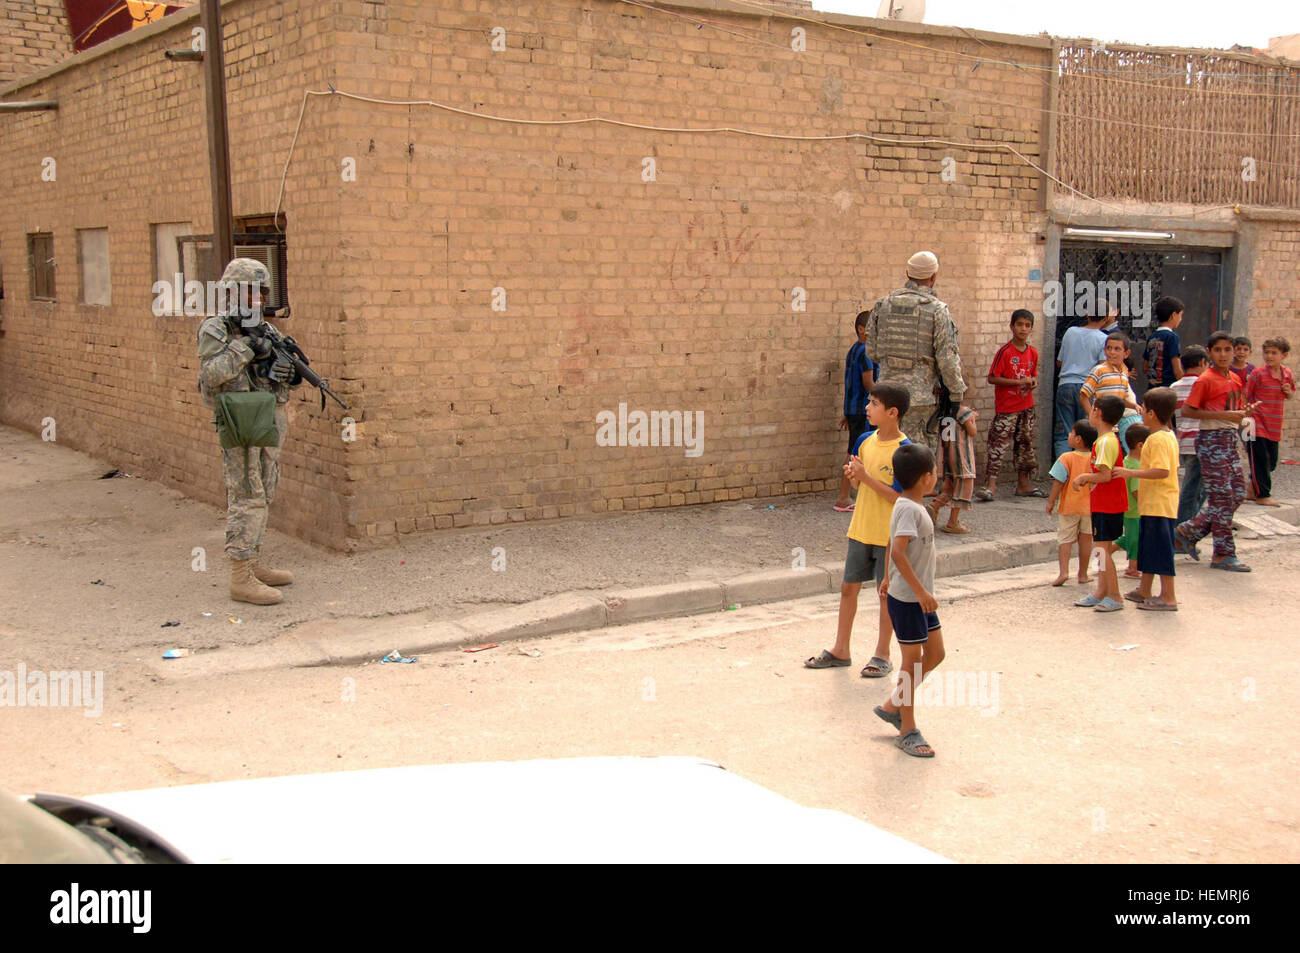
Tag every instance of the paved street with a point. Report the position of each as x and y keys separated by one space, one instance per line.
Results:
x=1180 y=748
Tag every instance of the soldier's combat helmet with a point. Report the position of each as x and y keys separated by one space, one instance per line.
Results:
x=246 y=270
x=237 y=283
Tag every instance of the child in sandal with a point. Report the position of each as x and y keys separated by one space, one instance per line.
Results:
x=1129 y=541
x=1109 y=499
x=872 y=470
x=1157 y=499
x=908 y=591
x=1268 y=387
x=956 y=468
x=1014 y=375
x=1217 y=402
x=1074 y=521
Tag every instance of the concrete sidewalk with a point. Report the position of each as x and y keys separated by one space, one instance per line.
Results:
x=97 y=567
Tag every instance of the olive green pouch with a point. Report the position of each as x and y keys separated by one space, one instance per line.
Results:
x=247 y=419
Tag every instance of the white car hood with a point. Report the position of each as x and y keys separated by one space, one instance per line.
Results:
x=589 y=810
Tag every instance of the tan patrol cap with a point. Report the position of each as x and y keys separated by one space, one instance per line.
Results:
x=922 y=265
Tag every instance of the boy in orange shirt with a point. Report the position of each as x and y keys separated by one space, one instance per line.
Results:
x=1075 y=519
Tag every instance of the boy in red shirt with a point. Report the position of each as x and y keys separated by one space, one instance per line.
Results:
x=1014 y=375
x=1108 y=501
x=1216 y=401
x=1268 y=387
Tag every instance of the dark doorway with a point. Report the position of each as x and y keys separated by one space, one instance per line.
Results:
x=1193 y=276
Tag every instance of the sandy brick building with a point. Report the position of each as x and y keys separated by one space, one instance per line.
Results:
x=484 y=278
x=35 y=35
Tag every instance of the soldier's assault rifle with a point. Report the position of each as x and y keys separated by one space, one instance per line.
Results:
x=284 y=348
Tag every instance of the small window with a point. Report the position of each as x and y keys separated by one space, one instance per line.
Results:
x=40 y=264
x=167 y=262
x=256 y=236
x=92 y=256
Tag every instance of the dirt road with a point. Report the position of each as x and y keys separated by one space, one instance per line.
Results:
x=1064 y=746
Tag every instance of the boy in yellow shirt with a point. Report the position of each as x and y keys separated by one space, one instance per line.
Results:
x=871 y=467
x=1157 y=501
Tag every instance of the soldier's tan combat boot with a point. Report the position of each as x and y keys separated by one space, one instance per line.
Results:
x=244 y=586
x=271 y=577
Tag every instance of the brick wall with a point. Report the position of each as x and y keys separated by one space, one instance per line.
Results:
x=1275 y=308
x=130 y=148
x=668 y=295
x=34 y=35
x=665 y=295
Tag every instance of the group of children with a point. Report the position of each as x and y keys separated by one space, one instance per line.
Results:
x=1156 y=515
x=1118 y=485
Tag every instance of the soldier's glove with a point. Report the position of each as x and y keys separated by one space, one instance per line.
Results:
x=282 y=371
x=261 y=346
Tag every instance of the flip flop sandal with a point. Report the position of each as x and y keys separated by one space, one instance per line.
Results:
x=843 y=509
x=827 y=660
x=957 y=530
x=982 y=495
x=913 y=740
x=1135 y=596
x=1036 y=491
x=893 y=717
x=1189 y=546
x=1153 y=606
x=1231 y=564
x=882 y=667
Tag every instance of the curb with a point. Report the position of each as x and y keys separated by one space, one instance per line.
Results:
x=576 y=611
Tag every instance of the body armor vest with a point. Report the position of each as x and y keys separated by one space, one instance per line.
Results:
x=906 y=331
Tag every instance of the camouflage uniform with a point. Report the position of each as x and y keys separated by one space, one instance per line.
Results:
x=912 y=337
x=225 y=365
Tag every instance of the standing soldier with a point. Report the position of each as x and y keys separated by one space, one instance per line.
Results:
x=229 y=361
x=912 y=337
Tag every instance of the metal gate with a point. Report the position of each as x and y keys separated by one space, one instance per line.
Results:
x=1193 y=276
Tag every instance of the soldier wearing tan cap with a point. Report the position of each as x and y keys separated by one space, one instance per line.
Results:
x=912 y=337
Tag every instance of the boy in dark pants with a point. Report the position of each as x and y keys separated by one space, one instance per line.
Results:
x=859 y=376
x=1157 y=501
x=1268 y=387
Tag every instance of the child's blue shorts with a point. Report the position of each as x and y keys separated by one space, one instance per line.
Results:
x=911 y=624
